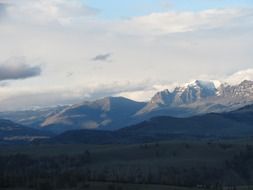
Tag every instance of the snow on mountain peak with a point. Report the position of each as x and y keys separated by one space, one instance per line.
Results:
x=202 y=84
x=203 y=93
x=217 y=83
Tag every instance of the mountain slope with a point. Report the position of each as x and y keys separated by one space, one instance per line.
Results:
x=236 y=124
x=31 y=118
x=210 y=125
x=13 y=132
x=242 y=115
x=108 y=113
x=231 y=124
x=195 y=98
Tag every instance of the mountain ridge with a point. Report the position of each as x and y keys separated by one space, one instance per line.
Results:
x=196 y=94
x=111 y=113
x=230 y=125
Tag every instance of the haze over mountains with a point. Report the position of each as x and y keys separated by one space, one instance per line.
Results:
x=111 y=113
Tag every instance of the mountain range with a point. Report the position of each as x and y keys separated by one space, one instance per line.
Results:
x=200 y=97
x=230 y=125
x=112 y=113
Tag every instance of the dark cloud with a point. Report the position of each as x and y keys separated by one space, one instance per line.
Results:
x=102 y=57
x=69 y=74
x=17 y=68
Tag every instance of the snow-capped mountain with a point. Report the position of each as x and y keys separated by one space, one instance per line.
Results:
x=202 y=96
x=187 y=94
x=243 y=90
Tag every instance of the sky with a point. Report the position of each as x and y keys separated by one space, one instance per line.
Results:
x=56 y=52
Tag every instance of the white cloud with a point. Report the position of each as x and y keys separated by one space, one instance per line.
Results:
x=12 y=97
x=175 y=22
x=146 y=94
x=48 y=11
x=240 y=76
x=169 y=46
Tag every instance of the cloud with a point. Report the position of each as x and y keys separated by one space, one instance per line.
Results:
x=169 y=46
x=49 y=11
x=240 y=76
x=16 y=68
x=178 y=22
x=3 y=7
x=102 y=57
x=16 y=98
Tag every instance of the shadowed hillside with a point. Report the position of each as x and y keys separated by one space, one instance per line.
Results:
x=235 y=124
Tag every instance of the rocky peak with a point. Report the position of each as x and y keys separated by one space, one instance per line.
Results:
x=189 y=93
x=163 y=97
x=242 y=90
